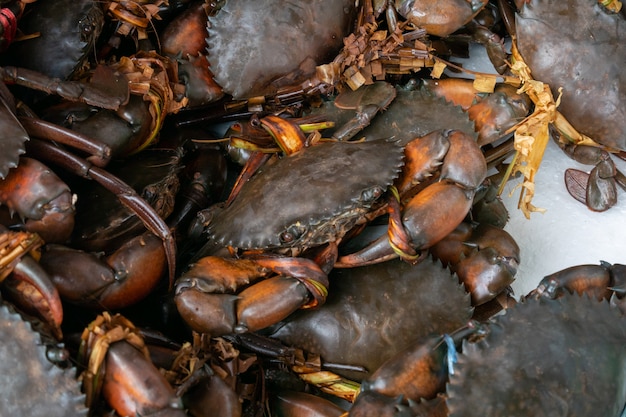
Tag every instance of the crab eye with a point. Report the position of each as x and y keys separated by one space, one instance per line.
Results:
x=371 y=194
x=292 y=233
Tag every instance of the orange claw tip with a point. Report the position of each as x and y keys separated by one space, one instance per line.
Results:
x=33 y=291
x=134 y=386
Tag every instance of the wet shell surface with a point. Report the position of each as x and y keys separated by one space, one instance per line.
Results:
x=13 y=134
x=563 y=357
x=578 y=46
x=67 y=31
x=374 y=312
x=30 y=384
x=314 y=196
x=414 y=112
x=257 y=47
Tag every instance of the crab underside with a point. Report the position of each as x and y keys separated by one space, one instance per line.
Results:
x=374 y=312
x=31 y=384
x=561 y=357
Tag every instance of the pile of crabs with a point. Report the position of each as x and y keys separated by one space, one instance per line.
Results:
x=274 y=208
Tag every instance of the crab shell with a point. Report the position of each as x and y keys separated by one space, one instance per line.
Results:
x=544 y=357
x=414 y=112
x=67 y=29
x=30 y=384
x=257 y=47
x=13 y=134
x=309 y=198
x=576 y=45
x=374 y=312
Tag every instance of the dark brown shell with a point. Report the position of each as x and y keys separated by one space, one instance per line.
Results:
x=67 y=31
x=317 y=194
x=13 y=135
x=563 y=357
x=257 y=47
x=414 y=113
x=30 y=385
x=576 y=45
x=374 y=312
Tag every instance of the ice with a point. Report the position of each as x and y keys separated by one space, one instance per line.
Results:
x=568 y=233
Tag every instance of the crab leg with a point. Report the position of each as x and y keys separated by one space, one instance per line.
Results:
x=126 y=194
x=108 y=89
x=40 y=128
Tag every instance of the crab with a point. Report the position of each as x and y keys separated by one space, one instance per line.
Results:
x=556 y=58
x=110 y=238
x=367 y=169
x=289 y=40
x=65 y=33
x=572 y=362
x=259 y=218
x=373 y=312
x=31 y=384
x=382 y=110
x=559 y=53
x=422 y=106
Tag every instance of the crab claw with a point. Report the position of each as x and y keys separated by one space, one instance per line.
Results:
x=26 y=282
x=436 y=210
x=593 y=280
x=37 y=195
x=121 y=279
x=204 y=294
x=421 y=370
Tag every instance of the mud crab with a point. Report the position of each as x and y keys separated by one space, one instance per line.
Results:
x=589 y=104
x=577 y=367
x=59 y=47
x=366 y=169
x=422 y=106
x=566 y=366
x=32 y=384
x=314 y=31
x=592 y=96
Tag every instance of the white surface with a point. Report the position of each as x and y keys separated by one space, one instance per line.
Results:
x=568 y=233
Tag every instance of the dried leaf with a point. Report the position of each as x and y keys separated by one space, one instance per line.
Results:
x=531 y=134
x=438 y=69
x=485 y=83
x=379 y=35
